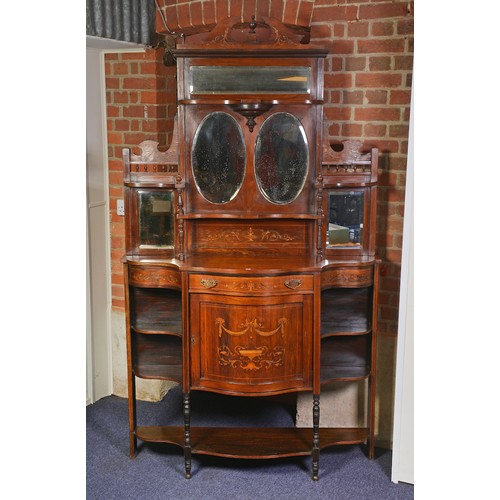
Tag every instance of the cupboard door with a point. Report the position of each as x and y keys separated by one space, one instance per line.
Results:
x=251 y=344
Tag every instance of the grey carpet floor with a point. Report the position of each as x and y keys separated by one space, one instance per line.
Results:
x=157 y=472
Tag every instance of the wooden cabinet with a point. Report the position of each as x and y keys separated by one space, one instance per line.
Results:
x=250 y=267
x=251 y=335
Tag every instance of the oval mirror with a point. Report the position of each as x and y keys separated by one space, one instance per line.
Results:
x=281 y=158
x=218 y=158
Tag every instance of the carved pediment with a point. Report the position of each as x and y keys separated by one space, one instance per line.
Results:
x=265 y=32
x=351 y=153
x=151 y=154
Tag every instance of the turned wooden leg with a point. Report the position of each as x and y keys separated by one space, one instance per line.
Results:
x=315 y=451
x=187 y=436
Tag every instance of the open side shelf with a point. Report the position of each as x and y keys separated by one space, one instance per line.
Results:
x=345 y=334
x=157 y=356
x=252 y=442
x=343 y=374
x=345 y=358
x=346 y=311
x=156 y=310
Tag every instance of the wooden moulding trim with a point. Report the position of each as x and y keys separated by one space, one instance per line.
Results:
x=262 y=53
x=329 y=380
x=146 y=185
x=346 y=334
x=325 y=380
x=335 y=182
x=210 y=215
x=249 y=100
x=151 y=331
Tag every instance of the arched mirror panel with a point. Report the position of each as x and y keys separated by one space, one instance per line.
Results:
x=218 y=158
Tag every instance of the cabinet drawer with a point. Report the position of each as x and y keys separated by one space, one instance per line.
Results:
x=154 y=277
x=251 y=285
x=347 y=277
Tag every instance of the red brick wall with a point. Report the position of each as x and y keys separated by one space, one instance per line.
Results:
x=367 y=96
x=141 y=104
x=186 y=16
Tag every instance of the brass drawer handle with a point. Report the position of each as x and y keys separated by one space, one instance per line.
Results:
x=209 y=283
x=293 y=284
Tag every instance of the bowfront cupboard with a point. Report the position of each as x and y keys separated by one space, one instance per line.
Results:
x=250 y=266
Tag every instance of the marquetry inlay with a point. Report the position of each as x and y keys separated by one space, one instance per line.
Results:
x=250 y=326
x=155 y=277
x=250 y=357
x=248 y=286
x=249 y=235
x=346 y=277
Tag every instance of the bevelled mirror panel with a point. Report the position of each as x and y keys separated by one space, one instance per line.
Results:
x=218 y=158
x=249 y=79
x=156 y=219
x=281 y=158
x=345 y=218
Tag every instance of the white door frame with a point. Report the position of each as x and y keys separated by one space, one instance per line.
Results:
x=403 y=442
x=99 y=363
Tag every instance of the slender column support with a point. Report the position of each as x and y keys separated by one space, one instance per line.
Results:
x=132 y=418
x=132 y=414
x=179 y=185
x=373 y=376
x=187 y=436
x=319 y=211
x=315 y=451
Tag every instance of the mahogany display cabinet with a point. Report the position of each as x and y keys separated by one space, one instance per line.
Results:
x=250 y=267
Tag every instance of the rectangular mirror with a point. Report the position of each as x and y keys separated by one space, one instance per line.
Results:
x=249 y=79
x=156 y=219
x=345 y=218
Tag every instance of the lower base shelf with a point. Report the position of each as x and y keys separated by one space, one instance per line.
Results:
x=252 y=442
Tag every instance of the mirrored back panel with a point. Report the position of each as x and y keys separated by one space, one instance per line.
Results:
x=218 y=157
x=233 y=171
x=151 y=212
x=345 y=218
x=249 y=79
x=281 y=158
x=156 y=219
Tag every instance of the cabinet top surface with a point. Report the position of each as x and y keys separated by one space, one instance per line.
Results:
x=238 y=264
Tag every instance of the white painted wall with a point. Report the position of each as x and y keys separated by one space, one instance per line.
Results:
x=403 y=442
x=106 y=348
x=99 y=363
